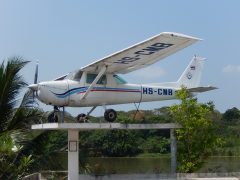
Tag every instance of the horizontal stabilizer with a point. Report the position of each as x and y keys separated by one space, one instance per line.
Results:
x=201 y=89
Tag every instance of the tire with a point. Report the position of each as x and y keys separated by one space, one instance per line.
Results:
x=110 y=115
x=82 y=118
x=52 y=118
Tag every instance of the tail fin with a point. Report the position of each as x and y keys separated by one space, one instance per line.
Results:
x=192 y=75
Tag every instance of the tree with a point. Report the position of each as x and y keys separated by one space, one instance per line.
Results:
x=112 y=143
x=197 y=137
x=232 y=115
x=156 y=145
x=15 y=119
x=15 y=115
x=12 y=167
x=231 y=129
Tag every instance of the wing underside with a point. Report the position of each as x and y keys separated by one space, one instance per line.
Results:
x=142 y=54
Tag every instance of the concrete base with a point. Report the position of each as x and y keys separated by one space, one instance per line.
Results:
x=73 y=138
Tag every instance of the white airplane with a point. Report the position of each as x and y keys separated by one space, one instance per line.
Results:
x=98 y=84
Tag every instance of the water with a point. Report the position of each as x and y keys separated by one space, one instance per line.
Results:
x=158 y=165
x=152 y=165
x=130 y=165
x=221 y=164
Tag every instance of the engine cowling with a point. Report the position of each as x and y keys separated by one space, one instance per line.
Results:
x=53 y=92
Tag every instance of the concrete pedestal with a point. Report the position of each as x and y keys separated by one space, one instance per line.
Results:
x=73 y=138
x=73 y=153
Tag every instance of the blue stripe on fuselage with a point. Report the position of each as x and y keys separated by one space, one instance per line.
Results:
x=84 y=89
x=71 y=91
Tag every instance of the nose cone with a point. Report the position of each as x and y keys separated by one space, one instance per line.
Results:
x=33 y=87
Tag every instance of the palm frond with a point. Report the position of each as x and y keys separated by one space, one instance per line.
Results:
x=26 y=114
x=28 y=100
x=24 y=118
x=11 y=84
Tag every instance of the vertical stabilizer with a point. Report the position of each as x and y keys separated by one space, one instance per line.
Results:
x=191 y=77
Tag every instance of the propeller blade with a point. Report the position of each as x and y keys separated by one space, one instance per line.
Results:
x=34 y=86
x=36 y=74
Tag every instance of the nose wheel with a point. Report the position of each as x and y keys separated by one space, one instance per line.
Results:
x=110 y=115
x=82 y=118
x=55 y=115
x=52 y=118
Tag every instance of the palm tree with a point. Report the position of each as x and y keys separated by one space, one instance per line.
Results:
x=15 y=119
x=14 y=115
x=21 y=150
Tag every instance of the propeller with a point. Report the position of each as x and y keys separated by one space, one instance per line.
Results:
x=36 y=74
x=34 y=86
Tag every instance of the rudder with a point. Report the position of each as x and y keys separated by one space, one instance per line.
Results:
x=191 y=77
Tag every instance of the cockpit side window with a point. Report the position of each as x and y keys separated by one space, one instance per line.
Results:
x=91 y=77
x=119 y=80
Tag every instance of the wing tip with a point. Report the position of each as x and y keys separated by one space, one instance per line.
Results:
x=213 y=87
x=181 y=35
x=199 y=58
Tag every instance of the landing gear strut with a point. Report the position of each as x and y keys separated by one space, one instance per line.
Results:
x=53 y=117
x=57 y=115
x=110 y=115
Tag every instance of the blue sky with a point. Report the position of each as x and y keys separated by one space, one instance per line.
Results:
x=66 y=35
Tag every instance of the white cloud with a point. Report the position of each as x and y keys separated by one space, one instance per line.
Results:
x=231 y=69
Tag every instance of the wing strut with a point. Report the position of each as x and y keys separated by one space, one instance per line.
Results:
x=102 y=71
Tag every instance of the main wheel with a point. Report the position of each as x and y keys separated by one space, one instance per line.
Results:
x=81 y=118
x=110 y=115
x=52 y=118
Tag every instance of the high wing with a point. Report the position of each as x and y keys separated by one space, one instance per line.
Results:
x=142 y=54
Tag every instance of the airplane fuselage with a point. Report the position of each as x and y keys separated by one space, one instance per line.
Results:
x=70 y=93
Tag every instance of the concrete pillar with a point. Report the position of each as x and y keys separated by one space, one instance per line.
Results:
x=73 y=159
x=173 y=151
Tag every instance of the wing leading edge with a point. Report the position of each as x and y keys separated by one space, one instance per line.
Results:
x=143 y=54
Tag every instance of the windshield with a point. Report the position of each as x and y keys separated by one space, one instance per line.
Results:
x=119 y=80
x=75 y=75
